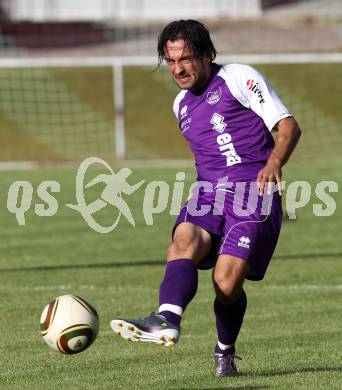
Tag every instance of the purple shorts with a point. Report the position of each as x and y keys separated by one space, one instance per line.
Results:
x=241 y=223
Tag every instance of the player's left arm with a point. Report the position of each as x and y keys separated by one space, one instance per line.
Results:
x=287 y=138
x=254 y=91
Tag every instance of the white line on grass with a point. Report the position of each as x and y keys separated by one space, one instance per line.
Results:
x=144 y=163
x=61 y=287
x=111 y=288
x=304 y=287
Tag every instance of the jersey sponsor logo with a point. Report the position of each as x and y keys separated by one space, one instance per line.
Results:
x=185 y=125
x=214 y=96
x=184 y=112
x=244 y=242
x=254 y=87
x=224 y=140
x=227 y=149
x=218 y=121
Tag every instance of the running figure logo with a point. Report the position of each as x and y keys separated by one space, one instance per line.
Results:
x=115 y=185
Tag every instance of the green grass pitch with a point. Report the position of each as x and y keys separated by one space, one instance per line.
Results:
x=292 y=334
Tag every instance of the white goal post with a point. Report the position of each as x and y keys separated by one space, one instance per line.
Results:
x=118 y=63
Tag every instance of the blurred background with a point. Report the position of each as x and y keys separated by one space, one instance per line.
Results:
x=78 y=78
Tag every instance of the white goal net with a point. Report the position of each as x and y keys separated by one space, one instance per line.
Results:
x=70 y=89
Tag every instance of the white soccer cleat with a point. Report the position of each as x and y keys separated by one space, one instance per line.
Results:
x=152 y=329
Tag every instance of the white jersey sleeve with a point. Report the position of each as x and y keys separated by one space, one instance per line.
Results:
x=253 y=91
x=177 y=101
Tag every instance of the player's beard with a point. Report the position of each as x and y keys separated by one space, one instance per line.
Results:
x=189 y=82
x=192 y=82
x=185 y=81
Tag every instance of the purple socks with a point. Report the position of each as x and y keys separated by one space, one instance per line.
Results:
x=228 y=322
x=177 y=289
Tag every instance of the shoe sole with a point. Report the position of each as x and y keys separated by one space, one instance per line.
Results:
x=130 y=332
x=222 y=375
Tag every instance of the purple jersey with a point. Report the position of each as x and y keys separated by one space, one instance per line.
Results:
x=228 y=123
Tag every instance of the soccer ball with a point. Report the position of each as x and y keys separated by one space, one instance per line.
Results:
x=69 y=324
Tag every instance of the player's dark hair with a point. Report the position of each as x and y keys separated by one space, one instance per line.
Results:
x=195 y=33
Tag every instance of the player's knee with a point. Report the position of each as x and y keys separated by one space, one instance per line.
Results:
x=226 y=290
x=181 y=247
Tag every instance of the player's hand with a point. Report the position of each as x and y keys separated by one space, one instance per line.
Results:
x=270 y=174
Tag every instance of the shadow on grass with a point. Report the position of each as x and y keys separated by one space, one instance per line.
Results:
x=143 y=263
x=247 y=374
x=90 y=265
x=233 y=387
x=290 y=372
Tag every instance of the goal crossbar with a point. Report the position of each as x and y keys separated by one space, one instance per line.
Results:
x=45 y=62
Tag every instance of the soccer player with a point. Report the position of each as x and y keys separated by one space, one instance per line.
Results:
x=227 y=114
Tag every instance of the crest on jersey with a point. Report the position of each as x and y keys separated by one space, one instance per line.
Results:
x=214 y=96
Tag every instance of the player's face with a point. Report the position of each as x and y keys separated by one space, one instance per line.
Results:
x=188 y=71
